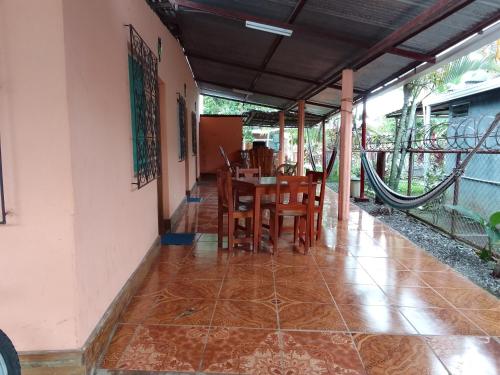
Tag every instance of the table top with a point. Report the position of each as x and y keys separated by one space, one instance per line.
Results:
x=258 y=181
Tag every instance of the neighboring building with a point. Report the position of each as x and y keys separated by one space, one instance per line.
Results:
x=469 y=109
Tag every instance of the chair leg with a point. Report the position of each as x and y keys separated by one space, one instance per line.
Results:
x=280 y=225
x=220 y=229
x=319 y=225
x=307 y=234
x=275 y=234
x=295 y=229
x=230 y=232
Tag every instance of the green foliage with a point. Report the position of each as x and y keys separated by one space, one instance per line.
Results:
x=490 y=226
x=218 y=106
x=247 y=135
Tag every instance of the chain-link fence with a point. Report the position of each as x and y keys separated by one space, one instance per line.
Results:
x=428 y=160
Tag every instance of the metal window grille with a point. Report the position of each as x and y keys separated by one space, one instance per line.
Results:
x=3 y=219
x=143 y=72
x=193 y=133
x=181 y=102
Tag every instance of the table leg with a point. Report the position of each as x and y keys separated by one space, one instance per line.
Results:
x=256 y=220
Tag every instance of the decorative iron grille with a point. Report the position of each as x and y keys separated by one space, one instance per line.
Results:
x=3 y=219
x=181 y=104
x=193 y=133
x=143 y=72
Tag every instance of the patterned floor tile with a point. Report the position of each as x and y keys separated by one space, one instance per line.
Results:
x=303 y=292
x=386 y=354
x=164 y=348
x=414 y=297
x=488 y=320
x=375 y=319
x=434 y=321
x=320 y=353
x=242 y=351
x=247 y=290
x=358 y=294
x=245 y=314
x=121 y=338
x=346 y=276
x=463 y=355
x=470 y=298
x=313 y=316
x=182 y=312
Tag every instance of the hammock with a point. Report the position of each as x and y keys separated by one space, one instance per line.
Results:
x=404 y=202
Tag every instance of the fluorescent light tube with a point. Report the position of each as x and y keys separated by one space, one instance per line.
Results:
x=268 y=28
x=238 y=91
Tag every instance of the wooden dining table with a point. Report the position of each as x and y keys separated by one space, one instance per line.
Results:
x=260 y=186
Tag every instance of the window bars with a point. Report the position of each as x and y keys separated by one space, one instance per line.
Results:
x=143 y=74
x=181 y=105
x=193 y=134
x=3 y=219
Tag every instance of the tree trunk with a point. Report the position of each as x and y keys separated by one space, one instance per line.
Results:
x=398 y=136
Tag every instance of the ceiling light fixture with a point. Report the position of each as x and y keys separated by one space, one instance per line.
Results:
x=238 y=91
x=268 y=28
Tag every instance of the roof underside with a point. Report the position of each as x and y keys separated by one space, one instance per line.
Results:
x=379 y=39
x=271 y=119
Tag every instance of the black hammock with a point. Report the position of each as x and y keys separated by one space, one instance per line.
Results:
x=404 y=202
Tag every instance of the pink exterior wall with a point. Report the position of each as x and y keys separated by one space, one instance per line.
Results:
x=79 y=227
x=37 y=250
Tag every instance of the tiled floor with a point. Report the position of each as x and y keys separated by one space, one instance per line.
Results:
x=364 y=301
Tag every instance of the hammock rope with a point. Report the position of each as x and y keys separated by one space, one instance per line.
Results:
x=404 y=202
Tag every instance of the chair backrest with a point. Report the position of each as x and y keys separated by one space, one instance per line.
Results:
x=320 y=179
x=286 y=169
x=225 y=189
x=248 y=172
x=294 y=186
x=224 y=156
x=262 y=157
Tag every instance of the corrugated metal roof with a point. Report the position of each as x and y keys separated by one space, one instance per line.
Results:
x=328 y=35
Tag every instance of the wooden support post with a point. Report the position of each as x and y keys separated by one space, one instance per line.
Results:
x=281 y=156
x=300 y=142
x=362 y=197
x=380 y=170
x=323 y=146
x=345 y=144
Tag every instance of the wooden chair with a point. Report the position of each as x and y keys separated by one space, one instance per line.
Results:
x=319 y=199
x=286 y=169
x=301 y=211
x=226 y=205
x=248 y=172
x=262 y=157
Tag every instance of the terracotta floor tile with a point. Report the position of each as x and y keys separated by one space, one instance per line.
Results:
x=121 y=338
x=373 y=263
x=185 y=288
x=297 y=274
x=247 y=290
x=293 y=259
x=358 y=294
x=164 y=348
x=320 y=353
x=405 y=252
x=470 y=298
x=405 y=355
x=250 y=273
x=375 y=319
x=303 y=292
x=245 y=314
x=414 y=297
x=315 y=316
x=463 y=355
x=346 y=276
x=182 y=312
x=137 y=309
x=340 y=250
x=242 y=351
x=424 y=264
x=434 y=321
x=202 y=271
x=371 y=250
x=446 y=279
x=396 y=278
x=336 y=261
x=488 y=320
x=254 y=259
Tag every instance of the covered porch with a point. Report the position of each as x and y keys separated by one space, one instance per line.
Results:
x=100 y=158
x=364 y=300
